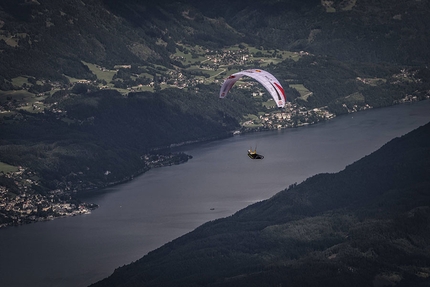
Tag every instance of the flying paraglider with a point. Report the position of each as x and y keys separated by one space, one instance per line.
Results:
x=268 y=81
x=254 y=155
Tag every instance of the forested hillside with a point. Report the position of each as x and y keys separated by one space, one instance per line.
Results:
x=92 y=91
x=367 y=225
x=59 y=35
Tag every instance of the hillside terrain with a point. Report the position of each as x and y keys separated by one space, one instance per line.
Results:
x=95 y=92
x=367 y=225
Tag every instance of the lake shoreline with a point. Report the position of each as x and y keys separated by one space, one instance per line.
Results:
x=83 y=207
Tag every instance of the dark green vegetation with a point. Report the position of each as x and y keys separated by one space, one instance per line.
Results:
x=59 y=35
x=368 y=225
x=92 y=91
x=103 y=131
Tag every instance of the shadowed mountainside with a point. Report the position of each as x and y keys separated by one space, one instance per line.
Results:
x=367 y=225
x=59 y=35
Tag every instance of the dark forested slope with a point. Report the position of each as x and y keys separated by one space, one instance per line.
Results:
x=105 y=131
x=368 y=225
x=58 y=35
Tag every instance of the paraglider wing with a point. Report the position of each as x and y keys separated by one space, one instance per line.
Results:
x=269 y=82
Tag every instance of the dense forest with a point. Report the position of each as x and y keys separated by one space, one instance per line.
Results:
x=109 y=32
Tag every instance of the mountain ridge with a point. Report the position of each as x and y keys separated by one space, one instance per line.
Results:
x=109 y=32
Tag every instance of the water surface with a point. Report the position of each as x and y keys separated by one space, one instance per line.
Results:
x=165 y=203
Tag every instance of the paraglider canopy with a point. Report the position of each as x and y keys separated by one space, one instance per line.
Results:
x=268 y=81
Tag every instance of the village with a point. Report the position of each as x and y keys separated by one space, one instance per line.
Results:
x=23 y=205
x=26 y=206
x=292 y=116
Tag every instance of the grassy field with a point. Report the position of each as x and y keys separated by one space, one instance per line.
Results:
x=251 y=117
x=267 y=55
x=355 y=98
x=101 y=74
x=269 y=104
x=23 y=98
x=304 y=93
x=4 y=167
x=19 y=81
x=10 y=40
x=378 y=81
x=348 y=5
x=73 y=80
x=187 y=58
x=255 y=121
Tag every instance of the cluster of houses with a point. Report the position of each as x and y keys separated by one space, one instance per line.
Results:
x=291 y=116
x=215 y=59
x=28 y=206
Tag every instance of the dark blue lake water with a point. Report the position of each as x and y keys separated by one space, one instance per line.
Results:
x=165 y=203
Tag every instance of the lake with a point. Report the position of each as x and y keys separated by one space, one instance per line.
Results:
x=165 y=203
